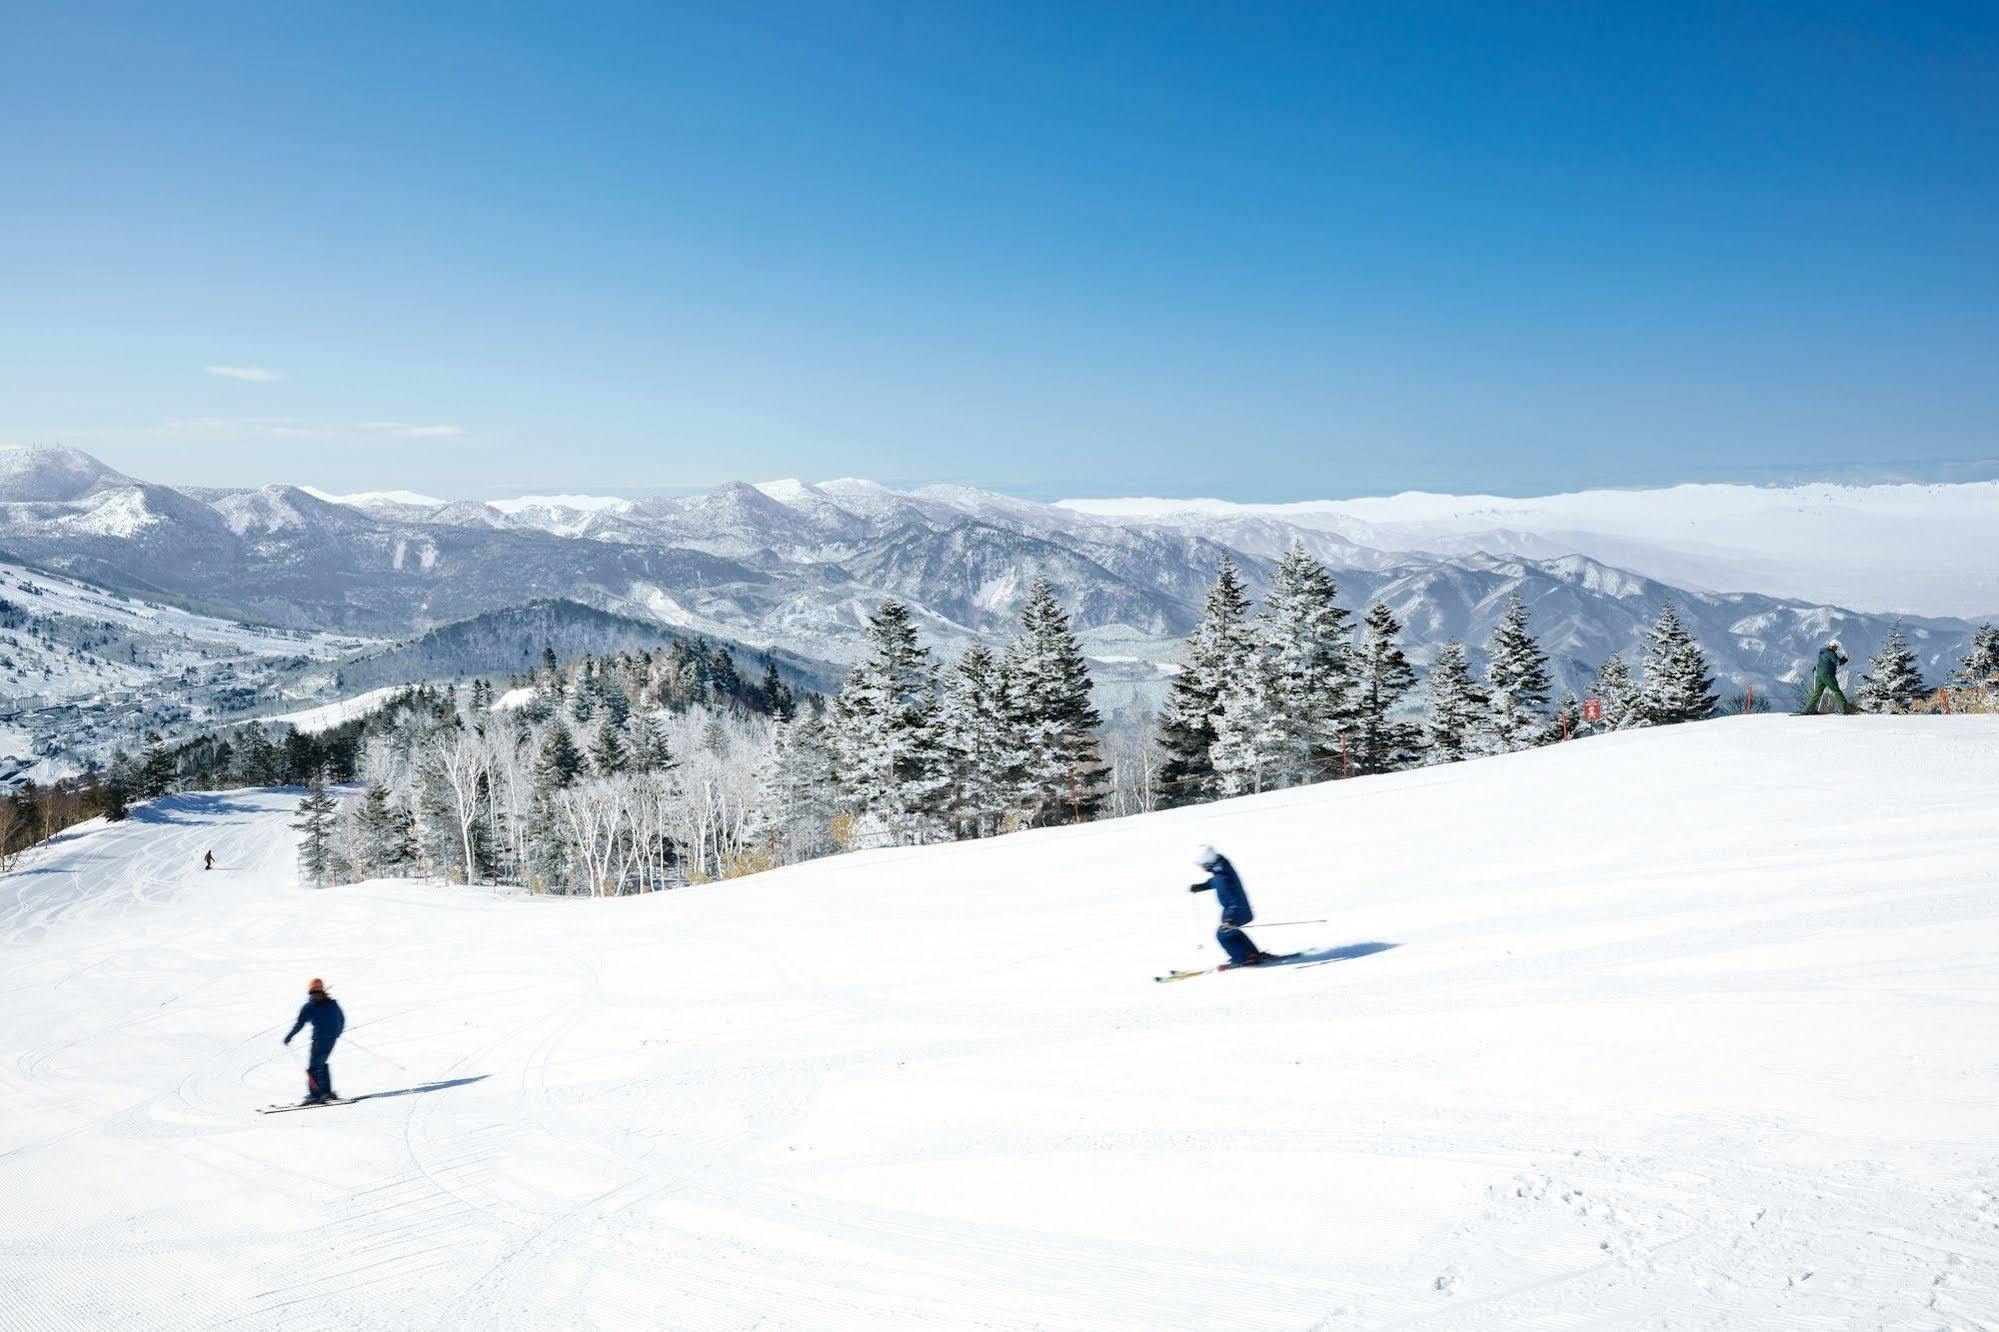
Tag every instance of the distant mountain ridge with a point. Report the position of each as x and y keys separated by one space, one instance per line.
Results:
x=796 y=567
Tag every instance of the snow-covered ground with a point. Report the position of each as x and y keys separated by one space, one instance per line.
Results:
x=329 y=715
x=1687 y=1028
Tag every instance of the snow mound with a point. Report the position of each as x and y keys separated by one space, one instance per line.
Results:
x=1674 y=1028
x=326 y=716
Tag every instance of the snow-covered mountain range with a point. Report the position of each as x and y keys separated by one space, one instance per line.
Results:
x=1930 y=549
x=797 y=566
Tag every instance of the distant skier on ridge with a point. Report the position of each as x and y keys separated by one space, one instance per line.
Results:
x=322 y=1013
x=1227 y=887
x=1831 y=657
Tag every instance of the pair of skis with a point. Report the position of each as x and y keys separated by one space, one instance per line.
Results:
x=1226 y=966
x=310 y=1105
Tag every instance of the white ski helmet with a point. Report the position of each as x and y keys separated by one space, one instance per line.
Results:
x=1206 y=856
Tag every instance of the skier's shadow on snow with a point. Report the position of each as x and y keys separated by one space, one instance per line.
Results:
x=420 y=1088
x=1313 y=957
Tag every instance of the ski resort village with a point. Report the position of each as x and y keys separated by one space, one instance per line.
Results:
x=1295 y=667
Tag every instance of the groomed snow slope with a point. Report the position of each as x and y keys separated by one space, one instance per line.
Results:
x=1688 y=1028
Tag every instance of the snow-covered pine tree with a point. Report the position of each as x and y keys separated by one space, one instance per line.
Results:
x=1308 y=642
x=977 y=745
x=803 y=788
x=884 y=750
x=1679 y=686
x=1217 y=654
x=583 y=699
x=1617 y=695
x=611 y=694
x=1247 y=741
x=1893 y=681
x=1978 y=672
x=649 y=751
x=559 y=763
x=1516 y=681
x=777 y=697
x=608 y=757
x=316 y=859
x=1458 y=708
x=157 y=770
x=1376 y=741
x=264 y=761
x=1053 y=722
x=385 y=845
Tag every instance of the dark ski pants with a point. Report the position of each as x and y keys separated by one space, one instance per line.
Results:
x=1819 y=687
x=318 y=1077
x=1235 y=942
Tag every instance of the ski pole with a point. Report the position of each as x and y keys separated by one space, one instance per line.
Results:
x=1280 y=924
x=377 y=1053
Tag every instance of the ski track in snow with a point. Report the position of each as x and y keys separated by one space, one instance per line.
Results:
x=1689 y=1028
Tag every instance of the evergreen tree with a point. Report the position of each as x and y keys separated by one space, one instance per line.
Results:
x=258 y=759
x=387 y=843
x=1618 y=699
x=1893 y=681
x=776 y=694
x=883 y=742
x=607 y=755
x=617 y=708
x=1679 y=687
x=1217 y=655
x=301 y=758
x=559 y=764
x=115 y=801
x=1052 y=718
x=1249 y=751
x=1458 y=708
x=1310 y=676
x=316 y=857
x=1979 y=671
x=1516 y=680
x=722 y=674
x=157 y=769
x=974 y=743
x=649 y=750
x=1377 y=742
x=799 y=787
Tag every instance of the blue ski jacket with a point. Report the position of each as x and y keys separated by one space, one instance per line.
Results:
x=323 y=1015
x=1227 y=887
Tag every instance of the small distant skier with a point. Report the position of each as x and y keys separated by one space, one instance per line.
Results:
x=1831 y=657
x=208 y=860
x=1227 y=887
x=322 y=1013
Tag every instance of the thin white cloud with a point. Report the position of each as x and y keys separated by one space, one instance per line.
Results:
x=293 y=427
x=408 y=431
x=256 y=374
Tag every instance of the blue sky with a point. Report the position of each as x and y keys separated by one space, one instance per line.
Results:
x=1253 y=251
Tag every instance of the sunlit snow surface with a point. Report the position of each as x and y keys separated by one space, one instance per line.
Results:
x=1688 y=1028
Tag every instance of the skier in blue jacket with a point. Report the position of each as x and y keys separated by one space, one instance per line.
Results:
x=1226 y=884
x=321 y=1013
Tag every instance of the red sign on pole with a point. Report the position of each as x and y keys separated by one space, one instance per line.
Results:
x=1592 y=710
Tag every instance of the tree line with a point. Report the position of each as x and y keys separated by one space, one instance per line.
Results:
x=638 y=770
